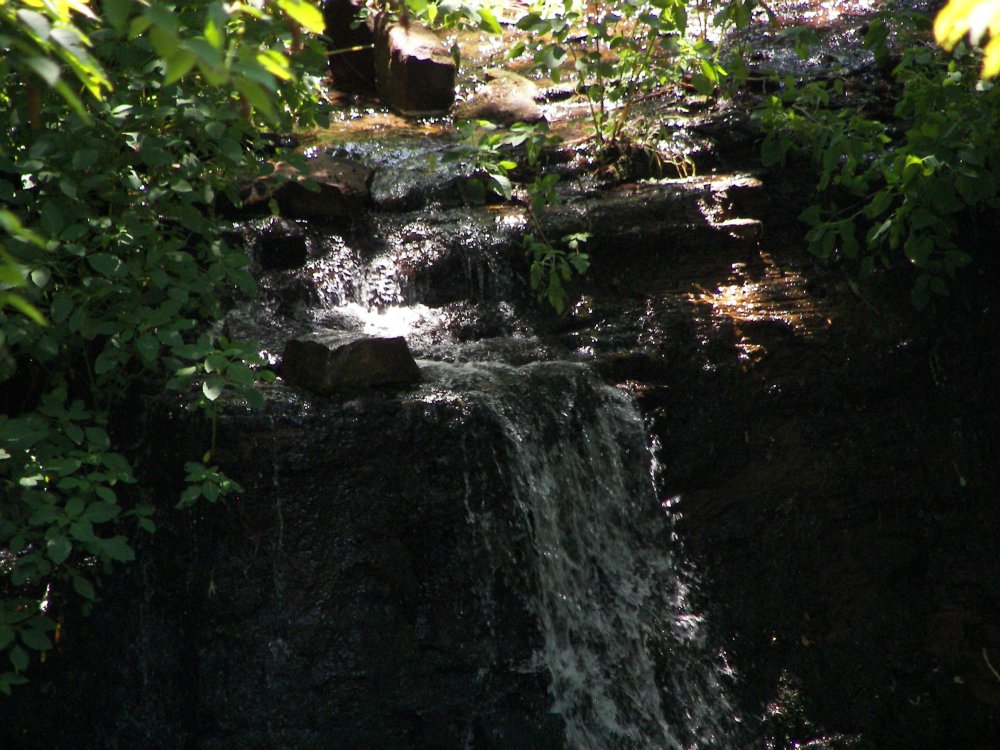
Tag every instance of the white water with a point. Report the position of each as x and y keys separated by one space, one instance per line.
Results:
x=626 y=654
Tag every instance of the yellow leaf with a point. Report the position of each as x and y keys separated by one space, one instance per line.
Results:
x=991 y=59
x=274 y=63
x=961 y=17
x=977 y=18
x=304 y=13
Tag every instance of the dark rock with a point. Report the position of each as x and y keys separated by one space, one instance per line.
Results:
x=352 y=71
x=280 y=245
x=356 y=364
x=328 y=188
x=344 y=601
x=414 y=72
x=506 y=99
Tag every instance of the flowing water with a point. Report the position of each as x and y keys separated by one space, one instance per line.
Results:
x=625 y=653
x=591 y=554
x=629 y=664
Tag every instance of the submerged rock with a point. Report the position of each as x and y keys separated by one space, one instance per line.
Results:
x=356 y=364
x=418 y=181
x=414 y=72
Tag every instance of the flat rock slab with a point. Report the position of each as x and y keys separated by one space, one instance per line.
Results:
x=414 y=72
x=357 y=363
x=507 y=98
x=327 y=188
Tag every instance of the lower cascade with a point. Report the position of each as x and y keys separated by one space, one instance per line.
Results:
x=628 y=660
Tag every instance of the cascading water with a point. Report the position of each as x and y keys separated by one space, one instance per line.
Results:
x=628 y=665
x=586 y=544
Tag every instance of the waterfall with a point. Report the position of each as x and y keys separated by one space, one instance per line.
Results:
x=628 y=663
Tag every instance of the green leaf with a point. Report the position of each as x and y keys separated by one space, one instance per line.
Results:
x=179 y=65
x=47 y=69
x=45 y=515
x=536 y=273
x=117 y=548
x=108 y=360
x=19 y=658
x=275 y=63
x=212 y=388
x=26 y=308
x=106 y=264
x=84 y=588
x=879 y=204
x=500 y=184
x=9 y=679
x=36 y=23
x=215 y=362
x=214 y=32
x=117 y=12
x=82 y=531
x=488 y=21
x=101 y=512
x=106 y=494
x=36 y=640
x=552 y=57
x=256 y=97
x=98 y=437
x=189 y=496
x=59 y=549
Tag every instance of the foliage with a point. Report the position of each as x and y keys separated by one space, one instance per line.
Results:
x=118 y=133
x=450 y=13
x=975 y=18
x=896 y=192
x=618 y=54
x=490 y=150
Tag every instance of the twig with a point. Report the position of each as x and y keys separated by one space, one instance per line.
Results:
x=986 y=659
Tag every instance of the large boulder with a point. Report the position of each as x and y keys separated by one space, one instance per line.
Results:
x=414 y=72
x=354 y=363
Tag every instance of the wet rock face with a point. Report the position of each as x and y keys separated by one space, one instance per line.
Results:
x=415 y=73
x=357 y=363
x=418 y=181
x=345 y=600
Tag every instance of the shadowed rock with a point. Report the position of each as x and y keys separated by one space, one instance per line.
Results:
x=414 y=72
x=328 y=188
x=356 y=364
x=352 y=59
